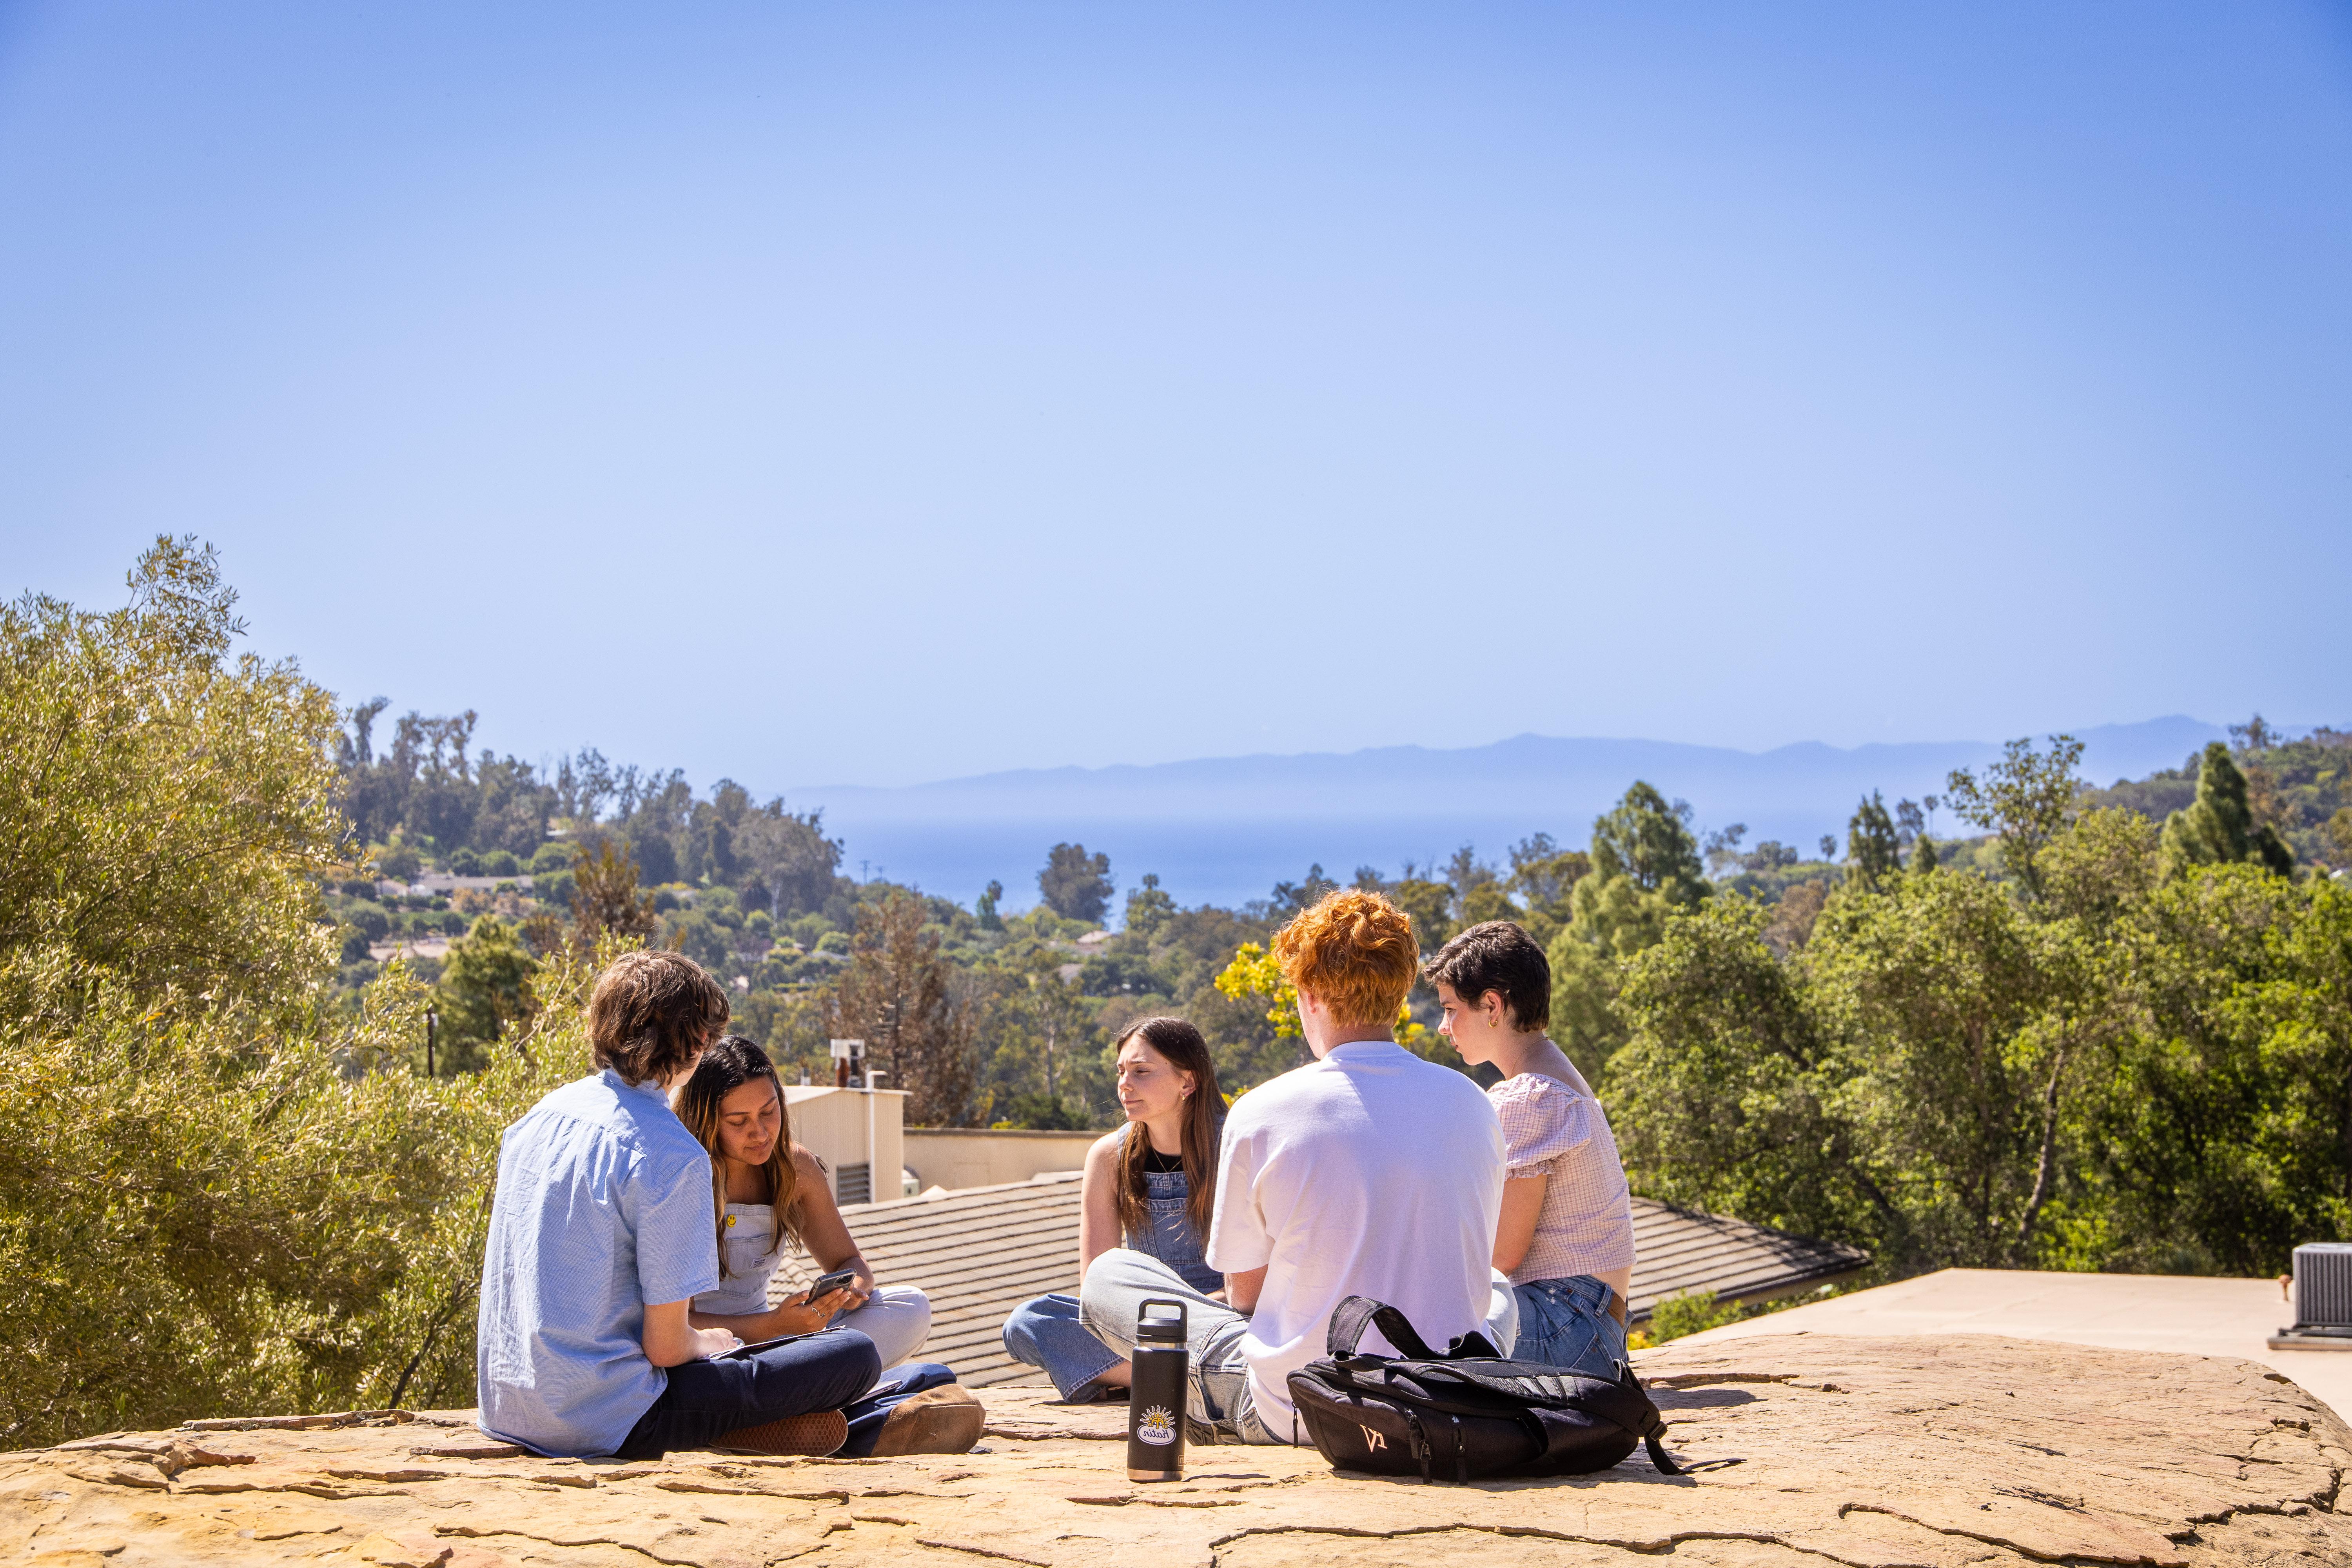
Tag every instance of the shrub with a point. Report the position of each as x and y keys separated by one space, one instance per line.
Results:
x=499 y=863
x=465 y=863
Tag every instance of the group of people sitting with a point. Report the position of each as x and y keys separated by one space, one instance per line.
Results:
x=1370 y=1172
x=638 y=1218
x=640 y=1214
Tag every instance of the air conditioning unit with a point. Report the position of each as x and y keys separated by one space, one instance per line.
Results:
x=2323 y=1300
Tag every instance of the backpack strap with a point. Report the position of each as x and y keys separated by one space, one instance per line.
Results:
x=1357 y=1313
x=1629 y=1404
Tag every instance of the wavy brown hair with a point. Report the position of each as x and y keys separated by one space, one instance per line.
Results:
x=730 y=1064
x=651 y=1012
x=1180 y=1045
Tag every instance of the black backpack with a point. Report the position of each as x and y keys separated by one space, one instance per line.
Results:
x=1466 y=1411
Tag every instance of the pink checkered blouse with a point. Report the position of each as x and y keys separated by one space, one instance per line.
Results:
x=1557 y=1129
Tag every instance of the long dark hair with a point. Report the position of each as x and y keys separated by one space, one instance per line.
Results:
x=1181 y=1044
x=731 y=1062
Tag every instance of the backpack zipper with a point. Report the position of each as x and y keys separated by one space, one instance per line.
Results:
x=1421 y=1445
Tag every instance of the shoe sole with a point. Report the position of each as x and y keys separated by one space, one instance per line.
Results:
x=936 y=1421
x=820 y=1432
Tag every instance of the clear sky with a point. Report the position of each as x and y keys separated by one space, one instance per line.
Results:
x=874 y=392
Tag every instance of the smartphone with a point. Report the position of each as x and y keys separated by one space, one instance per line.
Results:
x=826 y=1284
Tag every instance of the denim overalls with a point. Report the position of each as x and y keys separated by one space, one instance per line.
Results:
x=1045 y=1332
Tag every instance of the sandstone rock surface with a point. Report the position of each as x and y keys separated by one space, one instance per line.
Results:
x=1805 y=1451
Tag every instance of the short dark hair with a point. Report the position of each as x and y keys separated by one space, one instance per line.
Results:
x=1497 y=956
x=652 y=1013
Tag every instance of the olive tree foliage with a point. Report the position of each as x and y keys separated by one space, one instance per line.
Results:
x=218 y=1194
x=166 y=807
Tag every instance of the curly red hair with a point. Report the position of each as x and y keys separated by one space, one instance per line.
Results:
x=1355 y=953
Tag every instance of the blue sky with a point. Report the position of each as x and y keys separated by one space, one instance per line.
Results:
x=876 y=393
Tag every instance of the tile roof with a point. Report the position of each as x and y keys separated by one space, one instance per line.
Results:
x=980 y=1252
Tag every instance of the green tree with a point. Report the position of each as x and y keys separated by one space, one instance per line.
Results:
x=1872 y=852
x=1149 y=908
x=1428 y=904
x=899 y=996
x=1725 y=1096
x=485 y=991
x=2027 y=798
x=986 y=908
x=2129 y=1071
x=788 y=854
x=1077 y=885
x=1488 y=901
x=1544 y=875
x=604 y=897
x=1610 y=920
x=2219 y=827
x=1649 y=842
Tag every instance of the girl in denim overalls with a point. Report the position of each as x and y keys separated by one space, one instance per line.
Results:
x=1147 y=1186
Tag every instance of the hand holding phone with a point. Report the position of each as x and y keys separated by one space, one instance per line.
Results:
x=826 y=1284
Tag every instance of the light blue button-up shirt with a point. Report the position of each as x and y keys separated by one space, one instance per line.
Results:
x=604 y=1205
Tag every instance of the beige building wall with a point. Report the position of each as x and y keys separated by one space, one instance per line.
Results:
x=852 y=1127
x=957 y=1157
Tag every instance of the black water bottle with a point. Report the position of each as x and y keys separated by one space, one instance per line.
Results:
x=1155 y=1398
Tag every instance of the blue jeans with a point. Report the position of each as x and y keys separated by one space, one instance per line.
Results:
x=1116 y=1285
x=702 y=1401
x=1567 y=1323
x=1045 y=1332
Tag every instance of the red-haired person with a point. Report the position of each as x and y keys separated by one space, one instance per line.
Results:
x=1368 y=1172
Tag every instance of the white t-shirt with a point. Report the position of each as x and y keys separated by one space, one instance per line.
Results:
x=1371 y=1173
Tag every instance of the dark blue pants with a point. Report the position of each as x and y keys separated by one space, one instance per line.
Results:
x=835 y=1370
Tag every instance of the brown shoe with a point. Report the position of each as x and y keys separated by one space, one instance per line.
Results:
x=936 y=1421
x=818 y=1432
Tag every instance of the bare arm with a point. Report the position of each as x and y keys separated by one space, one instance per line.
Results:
x=827 y=1233
x=670 y=1340
x=1099 y=1226
x=1241 y=1291
x=1523 y=1199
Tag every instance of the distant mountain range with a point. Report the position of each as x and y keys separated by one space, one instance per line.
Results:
x=1225 y=829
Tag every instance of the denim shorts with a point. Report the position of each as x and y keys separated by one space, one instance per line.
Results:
x=1567 y=1323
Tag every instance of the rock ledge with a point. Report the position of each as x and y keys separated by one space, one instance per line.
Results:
x=1805 y=1450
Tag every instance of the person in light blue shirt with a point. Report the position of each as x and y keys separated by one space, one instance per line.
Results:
x=600 y=1237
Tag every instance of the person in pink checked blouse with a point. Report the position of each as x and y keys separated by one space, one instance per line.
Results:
x=1566 y=1237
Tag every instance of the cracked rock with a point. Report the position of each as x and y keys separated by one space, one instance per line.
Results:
x=1806 y=1450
